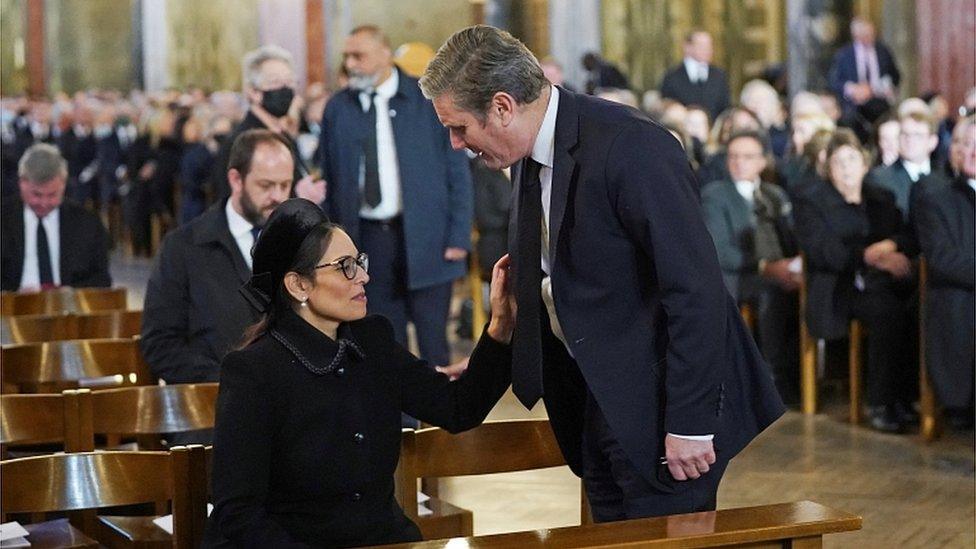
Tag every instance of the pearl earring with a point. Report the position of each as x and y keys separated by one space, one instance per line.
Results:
x=304 y=302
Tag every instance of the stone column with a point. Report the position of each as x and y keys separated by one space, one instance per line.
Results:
x=574 y=29
x=155 y=45
x=282 y=22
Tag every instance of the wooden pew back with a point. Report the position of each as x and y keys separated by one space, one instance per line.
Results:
x=61 y=327
x=63 y=300
x=47 y=418
x=54 y=366
x=154 y=409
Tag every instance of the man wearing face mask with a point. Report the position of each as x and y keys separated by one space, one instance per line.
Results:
x=269 y=85
x=399 y=190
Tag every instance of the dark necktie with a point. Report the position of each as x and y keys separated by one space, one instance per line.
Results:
x=255 y=232
x=527 y=340
x=44 y=256
x=371 y=181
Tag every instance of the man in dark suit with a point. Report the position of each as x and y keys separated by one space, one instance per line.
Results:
x=751 y=223
x=48 y=241
x=399 y=190
x=651 y=380
x=696 y=81
x=945 y=226
x=864 y=75
x=193 y=313
x=916 y=141
x=602 y=74
x=79 y=148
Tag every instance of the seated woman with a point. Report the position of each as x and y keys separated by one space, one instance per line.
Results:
x=855 y=244
x=307 y=435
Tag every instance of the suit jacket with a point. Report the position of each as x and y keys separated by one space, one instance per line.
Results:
x=833 y=234
x=731 y=222
x=304 y=459
x=946 y=226
x=844 y=70
x=435 y=180
x=639 y=294
x=713 y=95
x=83 y=246
x=193 y=314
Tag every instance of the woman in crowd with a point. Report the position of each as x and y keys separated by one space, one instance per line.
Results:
x=307 y=435
x=853 y=237
x=732 y=120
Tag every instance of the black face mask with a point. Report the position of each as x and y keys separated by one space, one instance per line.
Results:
x=277 y=101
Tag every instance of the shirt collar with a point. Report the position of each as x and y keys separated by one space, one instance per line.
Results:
x=55 y=214
x=972 y=183
x=315 y=350
x=389 y=87
x=236 y=223
x=746 y=188
x=695 y=68
x=543 y=151
x=916 y=170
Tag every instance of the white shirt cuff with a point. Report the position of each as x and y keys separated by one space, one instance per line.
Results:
x=694 y=437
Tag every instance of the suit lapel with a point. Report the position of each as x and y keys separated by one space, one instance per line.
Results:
x=564 y=165
x=216 y=230
x=17 y=248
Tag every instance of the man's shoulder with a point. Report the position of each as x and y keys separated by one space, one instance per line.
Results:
x=202 y=228
x=606 y=120
x=716 y=190
x=72 y=212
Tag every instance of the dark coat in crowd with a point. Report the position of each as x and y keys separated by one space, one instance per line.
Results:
x=946 y=226
x=307 y=459
x=112 y=155
x=195 y=169
x=713 y=94
x=731 y=222
x=492 y=202
x=193 y=314
x=83 y=246
x=844 y=70
x=80 y=152
x=834 y=234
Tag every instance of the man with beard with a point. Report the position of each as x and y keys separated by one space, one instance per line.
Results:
x=193 y=313
x=269 y=86
x=399 y=190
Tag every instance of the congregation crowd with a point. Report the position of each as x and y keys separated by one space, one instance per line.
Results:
x=842 y=191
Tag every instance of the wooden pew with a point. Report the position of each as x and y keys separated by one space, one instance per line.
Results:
x=513 y=445
x=63 y=300
x=930 y=417
x=48 y=418
x=65 y=326
x=93 y=480
x=786 y=525
x=59 y=365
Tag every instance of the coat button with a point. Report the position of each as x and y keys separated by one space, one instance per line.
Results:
x=392 y=113
x=356 y=496
x=358 y=438
x=340 y=372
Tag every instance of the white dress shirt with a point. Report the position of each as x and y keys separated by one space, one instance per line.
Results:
x=747 y=189
x=391 y=203
x=30 y=278
x=917 y=171
x=543 y=152
x=972 y=183
x=697 y=71
x=240 y=229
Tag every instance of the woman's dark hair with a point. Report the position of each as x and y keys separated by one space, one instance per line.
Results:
x=309 y=253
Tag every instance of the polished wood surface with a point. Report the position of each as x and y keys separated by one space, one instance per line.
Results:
x=93 y=480
x=26 y=419
x=514 y=445
x=726 y=528
x=930 y=418
x=855 y=360
x=50 y=367
x=154 y=409
x=60 y=327
x=63 y=300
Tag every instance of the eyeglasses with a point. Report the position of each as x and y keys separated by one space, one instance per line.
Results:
x=348 y=265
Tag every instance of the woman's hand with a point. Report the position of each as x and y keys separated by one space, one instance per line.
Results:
x=502 y=298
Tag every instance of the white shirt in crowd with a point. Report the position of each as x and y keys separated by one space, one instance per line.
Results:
x=747 y=189
x=543 y=152
x=30 y=278
x=391 y=203
x=240 y=229
x=917 y=171
x=697 y=71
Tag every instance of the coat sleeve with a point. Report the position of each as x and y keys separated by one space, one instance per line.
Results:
x=947 y=259
x=165 y=320
x=242 y=458
x=452 y=405
x=653 y=192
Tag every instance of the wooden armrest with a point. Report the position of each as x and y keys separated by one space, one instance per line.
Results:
x=132 y=532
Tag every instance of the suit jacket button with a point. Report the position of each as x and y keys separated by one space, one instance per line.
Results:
x=356 y=496
x=392 y=113
x=358 y=438
x=340 y=372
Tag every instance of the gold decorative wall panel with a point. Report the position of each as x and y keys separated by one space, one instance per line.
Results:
x=89 y=44
x=207 y=40
x=13 y=68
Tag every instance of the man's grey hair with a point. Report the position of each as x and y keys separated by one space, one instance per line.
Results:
x=41 y=163
x=254 y=59
x=478 y=62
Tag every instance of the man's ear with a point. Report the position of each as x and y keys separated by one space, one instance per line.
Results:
x=235 y=179
x=296 y=286
x=504 y=106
